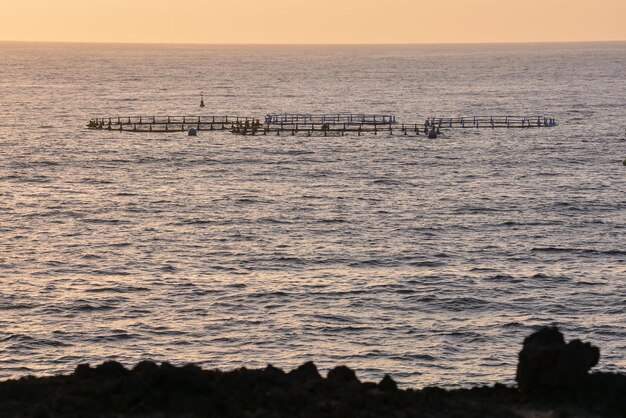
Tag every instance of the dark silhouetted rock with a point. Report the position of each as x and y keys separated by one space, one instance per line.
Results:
x=388 y=383
x=192 y=368
x=40 y=411
x=274 y=374
x=305 y=373
x=342 y=374
x=151 y=390
x=166 y=367
x=547 y=363
x=83 y=371
x=111 y=368
x=146 y=368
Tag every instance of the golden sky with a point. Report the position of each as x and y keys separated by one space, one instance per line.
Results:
x=321 y=21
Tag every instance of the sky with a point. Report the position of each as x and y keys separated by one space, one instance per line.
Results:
x=321 y=21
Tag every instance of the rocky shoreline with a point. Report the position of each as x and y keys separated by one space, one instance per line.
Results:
x=553 y=381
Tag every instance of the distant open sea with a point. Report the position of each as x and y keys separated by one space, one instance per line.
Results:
x=430 y=260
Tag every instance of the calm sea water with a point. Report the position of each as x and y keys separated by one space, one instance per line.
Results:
x=428 y=260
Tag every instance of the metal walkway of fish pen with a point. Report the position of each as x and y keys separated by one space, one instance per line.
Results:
x=327 y=129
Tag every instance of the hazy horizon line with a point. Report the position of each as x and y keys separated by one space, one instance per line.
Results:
x=308 y=43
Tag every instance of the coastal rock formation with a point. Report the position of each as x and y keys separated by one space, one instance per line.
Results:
x=547 y=368
x=305 y=373
x=153 y=390
x=547 y=363
x=550 y=370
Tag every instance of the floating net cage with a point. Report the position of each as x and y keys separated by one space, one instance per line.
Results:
x=330 y=118
x=492 y=121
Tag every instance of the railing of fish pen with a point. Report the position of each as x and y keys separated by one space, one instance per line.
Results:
x=348 y=118
x=492 y=122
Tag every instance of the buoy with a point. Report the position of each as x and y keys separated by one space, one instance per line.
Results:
x=624 y=162
x=192 y=132
x=432 y=134
x=201 y=100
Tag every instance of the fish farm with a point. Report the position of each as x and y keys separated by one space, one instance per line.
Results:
x=337 y=124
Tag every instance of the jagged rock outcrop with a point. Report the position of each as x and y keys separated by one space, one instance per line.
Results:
x=553 y=378
x=547 y=363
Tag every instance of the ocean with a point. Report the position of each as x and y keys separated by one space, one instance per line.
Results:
x=430 y=260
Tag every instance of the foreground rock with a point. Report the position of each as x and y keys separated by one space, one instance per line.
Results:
x=551 y=370
x=547 y=364
x=152 y=390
